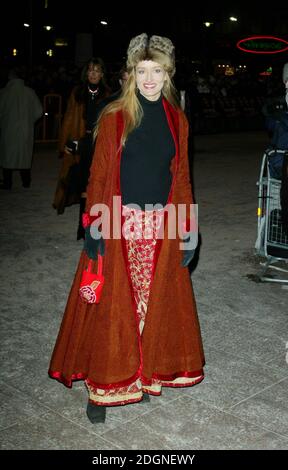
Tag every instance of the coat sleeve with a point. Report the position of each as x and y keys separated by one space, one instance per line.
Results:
x=68 y=122
x=183 y=185
x=99 y=167
x=183 y=191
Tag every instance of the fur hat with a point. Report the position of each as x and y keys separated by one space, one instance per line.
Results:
x=141 y=48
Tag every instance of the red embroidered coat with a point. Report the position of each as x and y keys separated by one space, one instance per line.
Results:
x=101 y=342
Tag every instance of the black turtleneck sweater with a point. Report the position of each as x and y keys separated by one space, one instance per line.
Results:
x=145 y=164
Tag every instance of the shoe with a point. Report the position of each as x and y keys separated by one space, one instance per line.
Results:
x=145 y=398
x=95 y=413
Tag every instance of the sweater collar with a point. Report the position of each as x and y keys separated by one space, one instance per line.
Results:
x=145 y=103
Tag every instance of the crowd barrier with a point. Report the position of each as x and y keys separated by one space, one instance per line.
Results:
x=224 y=114
x=48 y=127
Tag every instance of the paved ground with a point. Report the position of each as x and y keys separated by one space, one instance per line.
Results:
x=241 y=404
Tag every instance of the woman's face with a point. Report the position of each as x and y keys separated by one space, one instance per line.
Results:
x=150 y=78
x=94 y=74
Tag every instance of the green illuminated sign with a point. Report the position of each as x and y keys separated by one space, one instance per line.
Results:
x=263 y=45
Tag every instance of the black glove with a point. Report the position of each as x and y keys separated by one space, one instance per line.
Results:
x=93 y=244
x=190 y=241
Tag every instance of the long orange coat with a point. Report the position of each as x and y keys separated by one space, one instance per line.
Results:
x=101 y=343
x=73 y=128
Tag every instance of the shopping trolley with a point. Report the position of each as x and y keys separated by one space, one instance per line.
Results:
x=272 y=240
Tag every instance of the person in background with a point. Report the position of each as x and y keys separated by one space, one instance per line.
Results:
x=76 y=139
x=275 y=106
x=285 y=81
x=122 y=79
x=20 y=108
x=277 y=125
x=144 y=333
x=284 y=184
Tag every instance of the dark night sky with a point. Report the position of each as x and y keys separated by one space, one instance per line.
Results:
x=184 y=28
x=72 y=13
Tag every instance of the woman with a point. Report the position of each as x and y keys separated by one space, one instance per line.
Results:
x=126 y=345
x=76 y=140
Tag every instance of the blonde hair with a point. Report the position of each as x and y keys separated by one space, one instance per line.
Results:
x=128 y=101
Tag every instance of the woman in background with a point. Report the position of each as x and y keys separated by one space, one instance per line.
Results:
x=76 y=139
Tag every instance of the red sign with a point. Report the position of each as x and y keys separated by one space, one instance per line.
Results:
x=263 y=45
